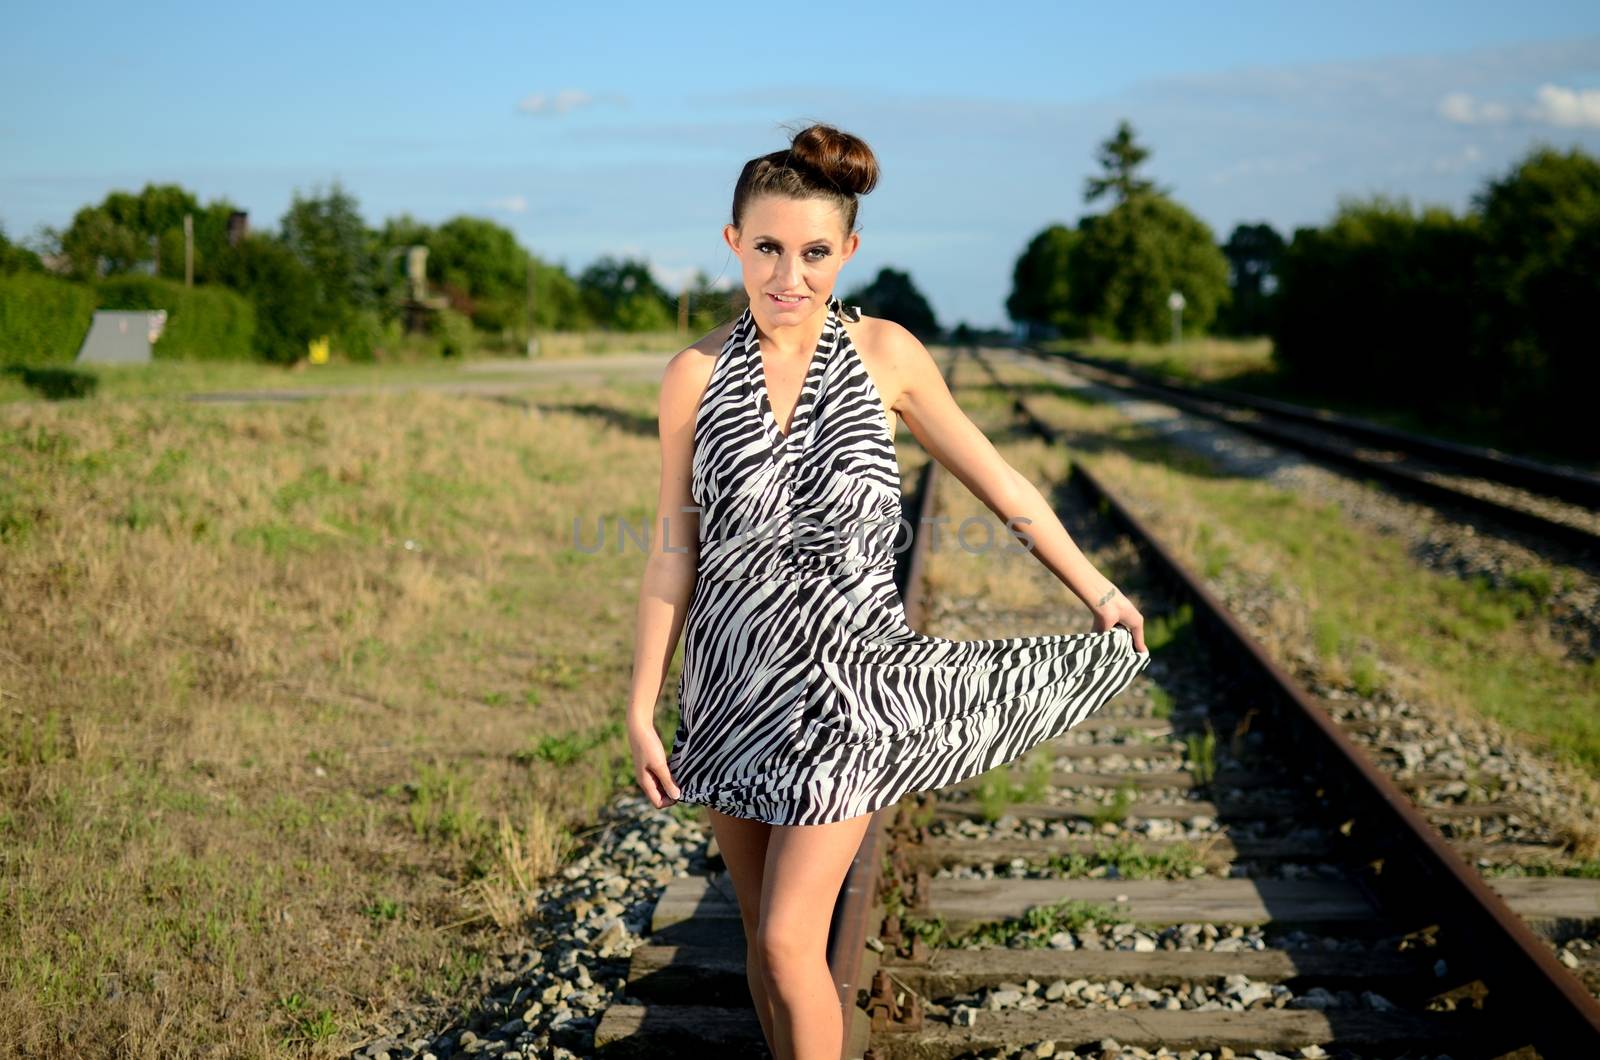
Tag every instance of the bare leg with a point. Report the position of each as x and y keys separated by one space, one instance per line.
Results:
x=805 y=868
x=743 y=843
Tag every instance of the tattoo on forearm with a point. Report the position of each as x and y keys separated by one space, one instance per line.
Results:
x=1109 y=594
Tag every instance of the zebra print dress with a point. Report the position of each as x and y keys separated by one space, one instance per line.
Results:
x=804 y=696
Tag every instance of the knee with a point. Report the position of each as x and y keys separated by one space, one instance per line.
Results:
x=783 y=951
x=752 y=961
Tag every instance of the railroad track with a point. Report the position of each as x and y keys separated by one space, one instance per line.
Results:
x=1552 y=502
x=1210 y=861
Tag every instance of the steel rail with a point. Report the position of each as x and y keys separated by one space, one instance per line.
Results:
x=849 y=926
x=1414 y=867
x=1556 y=480
x=1579 y=538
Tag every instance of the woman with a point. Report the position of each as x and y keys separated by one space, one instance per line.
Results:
x=806 y=702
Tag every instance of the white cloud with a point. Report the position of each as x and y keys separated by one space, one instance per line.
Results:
x=1464 y=110
x=1554 y=105
x=563 y=101
x=1569 y=108
x=510 y=203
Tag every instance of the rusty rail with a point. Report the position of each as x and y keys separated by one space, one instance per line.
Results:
x=849 y=926
x=1557 y=480
x=1413 y=867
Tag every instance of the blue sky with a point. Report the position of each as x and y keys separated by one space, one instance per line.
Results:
x=620 y=128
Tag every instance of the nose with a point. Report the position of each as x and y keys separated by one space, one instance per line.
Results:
x=789 y=271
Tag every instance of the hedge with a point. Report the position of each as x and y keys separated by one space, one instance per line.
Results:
x=206 y=323
x=43 y=319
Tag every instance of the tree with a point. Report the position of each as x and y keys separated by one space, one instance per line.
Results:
x=288 y=311
x=328 y=236
x=893 y=296
x=558 y=303
x=1131 y=259
x=1381 y=296
x=483 y=269
x=1114 y=274
x=14 y=257
x=710 y=307
x=1253 y=252
x=1540 y=223
x=1039 y=288
x=623 y=294
x=127 y=231
x=1119 y=157
x=123 y=231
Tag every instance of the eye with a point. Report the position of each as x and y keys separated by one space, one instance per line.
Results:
x=820 y=252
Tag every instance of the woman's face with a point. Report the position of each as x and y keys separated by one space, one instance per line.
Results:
x=790 y=247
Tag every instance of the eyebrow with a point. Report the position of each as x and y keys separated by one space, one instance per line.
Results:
x=819 y=239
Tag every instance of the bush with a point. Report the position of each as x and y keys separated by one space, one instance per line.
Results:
x=203 y=323
x=43 y=319
x=56 y=384
x=359 y=335
x=457 y=337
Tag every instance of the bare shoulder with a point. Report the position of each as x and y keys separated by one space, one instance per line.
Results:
x=688 y=371
x=893 y=355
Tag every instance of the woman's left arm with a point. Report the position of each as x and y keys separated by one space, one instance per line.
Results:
x=930 y=410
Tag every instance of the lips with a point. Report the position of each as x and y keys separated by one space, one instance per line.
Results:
x=795 y=299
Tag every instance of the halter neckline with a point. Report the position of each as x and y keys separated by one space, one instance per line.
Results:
x=800 y=416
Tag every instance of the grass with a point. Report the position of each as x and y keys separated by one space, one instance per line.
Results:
x=1160 y=699
x=1200 y=752
x=1220 y=362
x=1248 y=365
x=299 y=706
x=1459 y=644
x=1032 y=930
x=564 y=749
x=1180 y=861
x=1588 y=869
x=1115 y=811
x=999 y=789
x=1020 y=595
x=1172 y=633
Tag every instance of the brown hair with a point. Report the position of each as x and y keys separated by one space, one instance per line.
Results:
x=820 y=162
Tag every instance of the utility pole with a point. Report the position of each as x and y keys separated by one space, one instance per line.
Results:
x=533 y=344
x=188 y=250
x=683 y=311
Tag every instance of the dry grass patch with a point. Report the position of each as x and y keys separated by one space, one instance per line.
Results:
x=982 y=564
x=1353 y=602
x=1202 y=360
x=299 y=701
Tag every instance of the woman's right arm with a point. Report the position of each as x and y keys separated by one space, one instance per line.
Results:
x=669 y=575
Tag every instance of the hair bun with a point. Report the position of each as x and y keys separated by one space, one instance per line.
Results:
x=843 y=160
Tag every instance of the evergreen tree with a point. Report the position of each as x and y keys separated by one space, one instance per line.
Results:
x=1119 y=157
